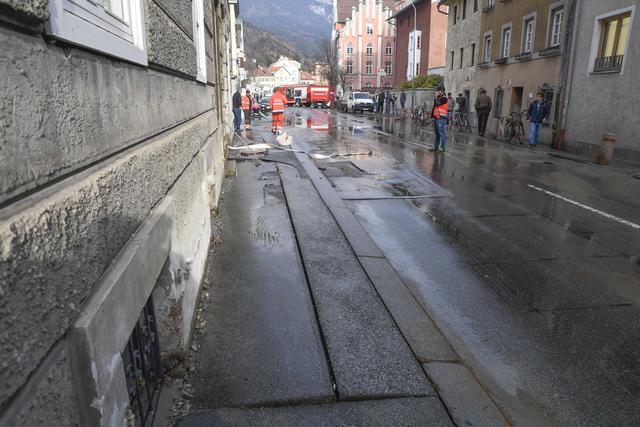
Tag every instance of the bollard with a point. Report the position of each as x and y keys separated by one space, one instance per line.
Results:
x=606 y=149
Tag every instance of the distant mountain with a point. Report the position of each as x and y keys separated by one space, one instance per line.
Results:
x=266 y=47
x=302 y=23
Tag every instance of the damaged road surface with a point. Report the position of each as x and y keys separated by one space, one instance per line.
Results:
x=399 y=287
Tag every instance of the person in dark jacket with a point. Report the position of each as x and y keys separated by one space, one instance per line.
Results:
x=381 y=102
x=403 y=99
x=237 y=109
x=483 y=107
x=538 y=114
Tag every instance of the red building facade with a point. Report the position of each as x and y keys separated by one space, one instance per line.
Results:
x=365 y=42
x=428 y=41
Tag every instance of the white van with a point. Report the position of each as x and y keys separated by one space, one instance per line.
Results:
x=357 y=101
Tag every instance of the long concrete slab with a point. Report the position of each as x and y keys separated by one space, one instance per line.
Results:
x=261 y=343
x=417 y=411
x=368 y=354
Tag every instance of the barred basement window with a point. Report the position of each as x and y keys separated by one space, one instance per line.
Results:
x=143 y=368
x=113 y=27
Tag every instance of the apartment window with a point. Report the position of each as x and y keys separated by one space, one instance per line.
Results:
x=506 y=42
x=369 y=49
x=417 y=68
x=368 y=69
x=368 y=85
x=499 y=97
x=491 y=3
x=555 y=30
x=455 y=14
x=113 y=27
x=349 y=67
x=612 y=42
x=349 y=49
x=464 y=9
x=472 y=59
x=387 y=68
x=475 y=6
x=461 y=57
x=388 y=50
x=419 y=42
x=198 y=33
x=487 y=48
x=528 y=32
x=453 y=59
x=369 y=28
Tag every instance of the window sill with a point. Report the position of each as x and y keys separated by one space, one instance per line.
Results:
x=604 y=72
x=501 y=61
x=525 y=56
x=550 y=51
x=488 y=9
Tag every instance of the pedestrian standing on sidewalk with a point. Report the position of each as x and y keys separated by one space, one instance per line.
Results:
x=483 y=107
x=381 y=102
x=403 y=100
x=538 y=114
x=277 y=103
x=246 y=109
x=439 y=113
x=392 y=103
x=450 y=109
x=236 y=101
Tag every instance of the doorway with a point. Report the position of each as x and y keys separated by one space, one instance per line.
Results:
x=516 y=99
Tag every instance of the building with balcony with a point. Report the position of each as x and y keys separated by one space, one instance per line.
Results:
x=422 y=52
x=603 y=81
x=520 y=54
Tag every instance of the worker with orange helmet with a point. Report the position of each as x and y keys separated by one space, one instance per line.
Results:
x=277 y=104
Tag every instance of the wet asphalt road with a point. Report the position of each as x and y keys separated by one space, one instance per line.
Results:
x=538 y=291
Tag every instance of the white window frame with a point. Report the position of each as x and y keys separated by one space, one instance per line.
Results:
x=388 y=50
x=595 y=40
x=505 y=44
x=199 y=40
x=350 y=49
x=349 y=67
x=549 y=39
x=533 y=18
x=388 y=68
x=369 y=49
x=491 y=3
x=86 y=23
x=369 y=29
x=486 y=53
x=368 y=67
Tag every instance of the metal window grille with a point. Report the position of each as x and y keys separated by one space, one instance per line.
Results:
x=498 y=104
x=143 y=368
x=608 y=64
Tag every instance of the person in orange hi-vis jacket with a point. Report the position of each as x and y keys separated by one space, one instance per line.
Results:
x=246 y=109
x=277 y=103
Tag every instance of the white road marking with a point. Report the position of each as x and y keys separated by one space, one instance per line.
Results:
x=589 y=208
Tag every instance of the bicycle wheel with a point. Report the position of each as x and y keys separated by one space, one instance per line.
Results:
x=467 y=126
x=508 y=131
x=520 y=133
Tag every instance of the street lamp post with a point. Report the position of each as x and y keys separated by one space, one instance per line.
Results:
x=413 y=71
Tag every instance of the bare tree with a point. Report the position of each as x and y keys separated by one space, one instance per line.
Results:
x=329 y=71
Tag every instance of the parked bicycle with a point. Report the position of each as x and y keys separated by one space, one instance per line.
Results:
x=514 y=128
x=421 y=115
x=461 y=123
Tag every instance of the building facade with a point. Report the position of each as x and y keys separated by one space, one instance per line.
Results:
x=602 y=78
x=421 y=52
x=521 y=54
x=463 y=35
x=365 y=43
x=113 y=128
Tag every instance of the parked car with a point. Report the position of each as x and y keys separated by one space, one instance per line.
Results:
x=264 y=104
x=357 y=101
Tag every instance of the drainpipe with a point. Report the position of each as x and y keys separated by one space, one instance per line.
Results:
x=415 y=44
x=569 y=74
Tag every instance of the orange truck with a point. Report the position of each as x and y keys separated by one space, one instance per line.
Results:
x=308 y=95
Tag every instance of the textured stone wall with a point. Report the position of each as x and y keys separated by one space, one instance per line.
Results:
x=167 y=45
x=69 y=107
x=89 y=146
